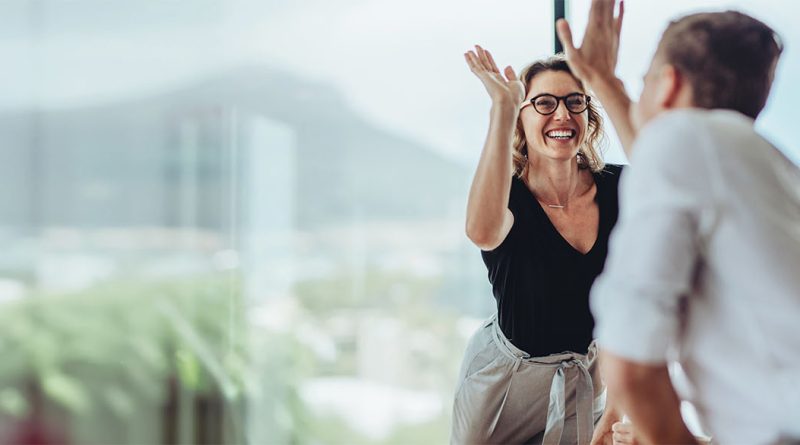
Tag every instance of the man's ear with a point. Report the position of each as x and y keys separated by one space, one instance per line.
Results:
x=669 y=93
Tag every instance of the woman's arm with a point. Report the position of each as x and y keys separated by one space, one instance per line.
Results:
x=488 y=217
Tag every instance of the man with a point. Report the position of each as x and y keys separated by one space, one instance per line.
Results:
x=704 y=266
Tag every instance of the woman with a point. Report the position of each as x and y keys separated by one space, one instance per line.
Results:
x=541 y=207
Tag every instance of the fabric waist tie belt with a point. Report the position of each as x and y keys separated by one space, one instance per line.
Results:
x=556 y=410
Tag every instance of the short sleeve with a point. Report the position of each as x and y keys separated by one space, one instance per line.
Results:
x=516 y=205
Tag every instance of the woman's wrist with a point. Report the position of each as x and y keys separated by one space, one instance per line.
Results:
x=504 y=101
x=505 y=108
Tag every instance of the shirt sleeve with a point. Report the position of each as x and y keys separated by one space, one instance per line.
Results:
x=655 y=248
x=514 y=205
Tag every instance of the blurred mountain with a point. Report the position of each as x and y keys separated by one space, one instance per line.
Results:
x=183 y=156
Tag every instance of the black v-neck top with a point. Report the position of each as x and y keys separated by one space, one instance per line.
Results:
x=541 y=283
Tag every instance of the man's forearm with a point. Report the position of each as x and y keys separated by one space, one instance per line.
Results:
x=617 y=104
x=655 y=410
x=645 y=394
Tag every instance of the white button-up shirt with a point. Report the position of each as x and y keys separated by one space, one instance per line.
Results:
x=705 y=263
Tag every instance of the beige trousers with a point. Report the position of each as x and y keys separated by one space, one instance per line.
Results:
x=505 y=396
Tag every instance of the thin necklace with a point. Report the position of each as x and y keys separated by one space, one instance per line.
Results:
x=555 y=206
x=552 y=206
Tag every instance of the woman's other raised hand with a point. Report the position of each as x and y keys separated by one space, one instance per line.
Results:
x=504 y=88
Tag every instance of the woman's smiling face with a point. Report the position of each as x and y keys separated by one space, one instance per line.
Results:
x=558 y=135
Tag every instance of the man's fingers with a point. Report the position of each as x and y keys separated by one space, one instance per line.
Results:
x=620 y=427
x=623 y=433
x=601 y=11
x=618 y=20
x=565 y=35
x=622 y=439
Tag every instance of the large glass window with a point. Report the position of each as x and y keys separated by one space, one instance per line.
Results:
x=241 y=222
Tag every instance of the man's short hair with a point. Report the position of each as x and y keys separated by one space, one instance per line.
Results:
x=729 y=59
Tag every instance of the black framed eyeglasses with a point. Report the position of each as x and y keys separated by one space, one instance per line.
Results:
x=548 y=104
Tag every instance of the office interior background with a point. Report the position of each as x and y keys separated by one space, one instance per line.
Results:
x=242 y=222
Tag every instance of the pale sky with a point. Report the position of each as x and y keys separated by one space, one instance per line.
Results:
x=399 y=64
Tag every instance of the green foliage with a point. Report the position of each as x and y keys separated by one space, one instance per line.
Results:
x=105 y=355
x=12 y=403
x=66 y=390
x=110 y=350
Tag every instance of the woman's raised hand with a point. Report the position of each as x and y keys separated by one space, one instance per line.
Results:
x=504 y=90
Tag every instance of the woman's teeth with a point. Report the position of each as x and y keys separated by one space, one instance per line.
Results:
x=560 y=134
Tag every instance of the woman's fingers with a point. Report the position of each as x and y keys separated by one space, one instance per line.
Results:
x=481 y=61
x=490 y=82
x=483 y=56
x=469 y=57
x=491 y=60
x=484 y=67
x=618 y=20
x=510 y=75
x=475 y=63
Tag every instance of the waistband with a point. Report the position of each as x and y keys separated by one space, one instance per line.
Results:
x=514 y=353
